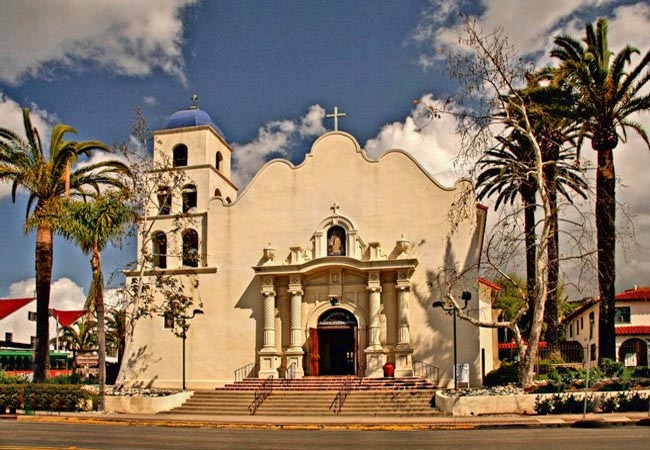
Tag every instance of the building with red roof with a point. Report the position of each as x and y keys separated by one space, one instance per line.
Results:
x=632 y=319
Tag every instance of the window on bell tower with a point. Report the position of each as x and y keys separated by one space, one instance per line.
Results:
x=180 y=156
x=218 y=161
x=190 y=248
x=189 y=198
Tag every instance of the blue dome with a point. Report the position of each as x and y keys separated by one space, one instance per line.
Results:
x=191 y=118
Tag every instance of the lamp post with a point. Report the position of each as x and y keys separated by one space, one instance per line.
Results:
x=450 y=309
x=183 y=320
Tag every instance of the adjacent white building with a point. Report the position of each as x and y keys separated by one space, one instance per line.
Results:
x=632 y=322
x=316 y=269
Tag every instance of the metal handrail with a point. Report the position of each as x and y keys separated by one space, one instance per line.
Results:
x=261 y=394
x=289 y=374
x=247 y=371
x=428 y=371
x=342 y=394
x=291 y=371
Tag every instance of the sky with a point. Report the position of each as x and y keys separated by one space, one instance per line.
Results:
x=267 y=72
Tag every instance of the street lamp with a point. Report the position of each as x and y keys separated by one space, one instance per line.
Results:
x=450 y=309
x=183 y=320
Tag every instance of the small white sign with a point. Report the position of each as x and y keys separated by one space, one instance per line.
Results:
x=462 y=373
x=630 y=360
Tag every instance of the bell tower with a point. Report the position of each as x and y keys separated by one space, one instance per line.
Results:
x=192 y=142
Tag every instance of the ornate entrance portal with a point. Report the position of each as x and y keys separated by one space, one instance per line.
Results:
x=334 y=344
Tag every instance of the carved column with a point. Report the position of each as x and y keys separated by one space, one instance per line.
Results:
x=295 y=352
x=375 y=357
x=403 y=350
x=268 y=355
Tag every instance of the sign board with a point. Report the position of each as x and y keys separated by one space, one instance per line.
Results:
x=630 y=360
x=86 y=360
x=462 y=373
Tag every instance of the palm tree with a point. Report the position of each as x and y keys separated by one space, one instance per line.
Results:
x=608 y=96
x=25 y=164
x=116 y=332
x=80 y=337
x=92 y=226
x=506 y=172
x=510 y=173
x=553 y=120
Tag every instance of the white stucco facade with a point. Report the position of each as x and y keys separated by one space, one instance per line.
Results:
x=320 y=268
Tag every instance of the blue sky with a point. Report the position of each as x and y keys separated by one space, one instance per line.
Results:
x=266 y=72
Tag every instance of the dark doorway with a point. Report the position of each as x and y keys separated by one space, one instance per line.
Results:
x=336 y=351
x=334 y=346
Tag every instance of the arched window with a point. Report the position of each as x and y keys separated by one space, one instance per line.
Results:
x=336 y=241
x=189 y=198
x=164 y=200
x=218 y=161
x=228 y=200
x=190 y=248
x=180 y=155
x=633 y=352
x=159 y=250
x=217 y=193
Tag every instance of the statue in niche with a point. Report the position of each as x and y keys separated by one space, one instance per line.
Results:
x=336 y=241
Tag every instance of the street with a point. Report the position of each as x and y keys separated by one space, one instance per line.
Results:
x=27 y=435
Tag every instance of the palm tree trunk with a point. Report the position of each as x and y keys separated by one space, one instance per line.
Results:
x=44 y=253
x=96 y=264
x=606 y=235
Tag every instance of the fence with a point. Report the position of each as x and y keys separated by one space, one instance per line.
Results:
x=569 y=353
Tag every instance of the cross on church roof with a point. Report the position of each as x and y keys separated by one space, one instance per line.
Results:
x=195 y=102
x=335 y=116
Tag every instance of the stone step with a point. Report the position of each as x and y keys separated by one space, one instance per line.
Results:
x=315 y=397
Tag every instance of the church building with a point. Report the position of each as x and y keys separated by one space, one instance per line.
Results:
x=327 y=267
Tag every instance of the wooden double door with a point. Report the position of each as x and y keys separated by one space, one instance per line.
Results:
x=334 y=350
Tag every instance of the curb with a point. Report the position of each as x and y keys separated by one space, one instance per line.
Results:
x=304 y=426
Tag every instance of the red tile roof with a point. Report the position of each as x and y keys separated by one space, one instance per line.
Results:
x=489 y=284
x=67 y=318
x=638 y=293
x=10 y=305
x=513 y=345
x=632 y=329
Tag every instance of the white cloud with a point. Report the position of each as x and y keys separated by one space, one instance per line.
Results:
x=532 y=33
x=275 y=138
x=433 y=143
x=130 y=38
x=529 y=24
x=65 y=294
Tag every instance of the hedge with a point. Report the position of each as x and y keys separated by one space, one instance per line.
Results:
x=44 y=397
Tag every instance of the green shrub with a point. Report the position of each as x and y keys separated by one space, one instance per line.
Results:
x=12 y=379
x=55 y=397
x=641 y=372
x=562 y=404
x=625 y=402
x=10 y=397
x=562 y=377
x=75 y=378
x=506 y=374
x=43 y=397
x=611 y=368
x=543 y=406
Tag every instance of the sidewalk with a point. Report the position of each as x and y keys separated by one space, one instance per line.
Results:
x=345 y=422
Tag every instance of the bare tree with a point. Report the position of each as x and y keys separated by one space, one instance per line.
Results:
x=492 y=104
x=151 y=289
